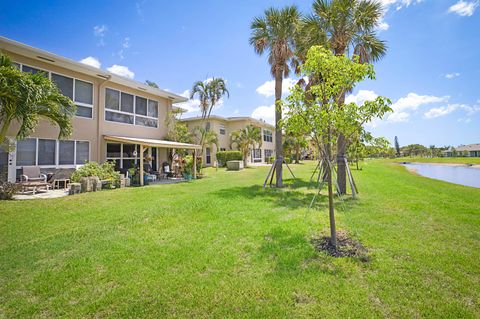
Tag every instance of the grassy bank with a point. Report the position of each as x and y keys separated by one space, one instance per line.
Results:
x=224 y=247
x=450 y=160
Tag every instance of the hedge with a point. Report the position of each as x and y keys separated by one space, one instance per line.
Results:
x=224 y=156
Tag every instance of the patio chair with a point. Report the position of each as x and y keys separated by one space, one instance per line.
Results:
x=32 y=174
x=166 y=170
x=151 y=174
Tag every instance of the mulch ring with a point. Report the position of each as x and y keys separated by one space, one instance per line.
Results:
x=346 y=247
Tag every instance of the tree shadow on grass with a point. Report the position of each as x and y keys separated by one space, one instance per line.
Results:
x=291 y=253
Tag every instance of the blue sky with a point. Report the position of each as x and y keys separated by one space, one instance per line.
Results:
x=430 y=72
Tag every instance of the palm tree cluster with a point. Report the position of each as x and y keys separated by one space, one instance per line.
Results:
x=246 y=139
x=209 y=92
x=344 y=26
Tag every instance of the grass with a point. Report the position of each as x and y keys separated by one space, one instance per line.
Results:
x=224 y=247
x=450 y=160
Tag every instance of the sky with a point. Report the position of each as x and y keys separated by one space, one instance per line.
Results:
x=431 y=70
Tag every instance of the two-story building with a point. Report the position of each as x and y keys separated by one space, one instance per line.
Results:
x=117 y=118
x=224 y=127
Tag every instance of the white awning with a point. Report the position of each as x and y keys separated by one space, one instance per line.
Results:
x=152 y=142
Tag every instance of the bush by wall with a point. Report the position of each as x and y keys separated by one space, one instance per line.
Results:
x=7 y=190
x=224 y=156
x=105 y=171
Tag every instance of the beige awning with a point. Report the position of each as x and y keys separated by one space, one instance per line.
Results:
x=152 y=142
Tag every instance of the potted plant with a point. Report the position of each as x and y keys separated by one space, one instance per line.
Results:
x=188 y=167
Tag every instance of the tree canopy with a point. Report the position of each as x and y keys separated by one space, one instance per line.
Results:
x=26 y=98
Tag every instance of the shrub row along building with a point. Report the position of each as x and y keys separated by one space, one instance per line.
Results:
x=117 y=119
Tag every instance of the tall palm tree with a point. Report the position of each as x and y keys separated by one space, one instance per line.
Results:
x=207 y=138
x=274 y=33
x=26 y=98
x=346 y=26
x=246 y=139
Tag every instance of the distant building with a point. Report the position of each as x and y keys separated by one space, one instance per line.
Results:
x=470 y=150
x=224 y=127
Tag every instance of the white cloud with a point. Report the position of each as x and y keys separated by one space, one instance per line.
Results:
x=121 y=71
x=90 y=60
x=463 y=8
x=445 y=110
x=266 y=113
x=452 y=75
x=397 y=117
x=236 y=111
x=125 y=46
x=399 y=4
x=411 y=102
x=99 y=31
x=267 y=89
x=361 y=97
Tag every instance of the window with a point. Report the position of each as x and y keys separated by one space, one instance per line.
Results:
x=207 y=126
x=66 y=153
x=222 y=129
x=64 y=84
x=208 y=157
x=127 y=103
x=44 y=152
x=124 y=155
x=79 y=91
x=257 y=155
x=82 y=152
x=112 y=99
x=222 y=149
x=267 y=136
x=26 y=152
x=140 y=106
x=127 y=108
x=29 y=69
x=268 y=154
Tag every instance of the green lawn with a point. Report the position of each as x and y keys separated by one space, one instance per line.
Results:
x=453 y=160
x=224 y=247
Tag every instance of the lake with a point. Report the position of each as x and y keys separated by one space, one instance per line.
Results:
x=463 y=175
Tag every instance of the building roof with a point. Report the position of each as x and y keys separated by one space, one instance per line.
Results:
x=50 y=58
x=230 y=119
x=468 y=148
x=152 y=142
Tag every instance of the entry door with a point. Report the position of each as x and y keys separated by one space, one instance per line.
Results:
x=3 y=165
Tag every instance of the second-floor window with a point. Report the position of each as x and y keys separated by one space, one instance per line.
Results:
x=267 y=136
x=127 y=108
x=79 y=91
x=222 y=129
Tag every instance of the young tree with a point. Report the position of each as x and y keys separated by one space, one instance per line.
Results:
x=397 y=146
x=346 y=26
x=246 y=139
x=293 y=144
x=26 y=98
x=275 y=32
x=320 y=113
x=177 y=131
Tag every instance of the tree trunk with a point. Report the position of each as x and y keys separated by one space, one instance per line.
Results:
x=341 y=149
x=278 y=130
x=297 y=155
x=331 y=210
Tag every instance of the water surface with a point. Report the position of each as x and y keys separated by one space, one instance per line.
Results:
x=463 y=175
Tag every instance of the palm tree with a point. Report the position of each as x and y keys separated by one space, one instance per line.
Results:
x=207 y=138
x=246 y=139
x=209 y=92
x=26 y=98
x=345 y=26
x=275 y=32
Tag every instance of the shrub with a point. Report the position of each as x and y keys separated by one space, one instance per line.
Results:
x=270 y=160
x=7 y=190
x=288 y=160
x=224 y=156
x=105 y=171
